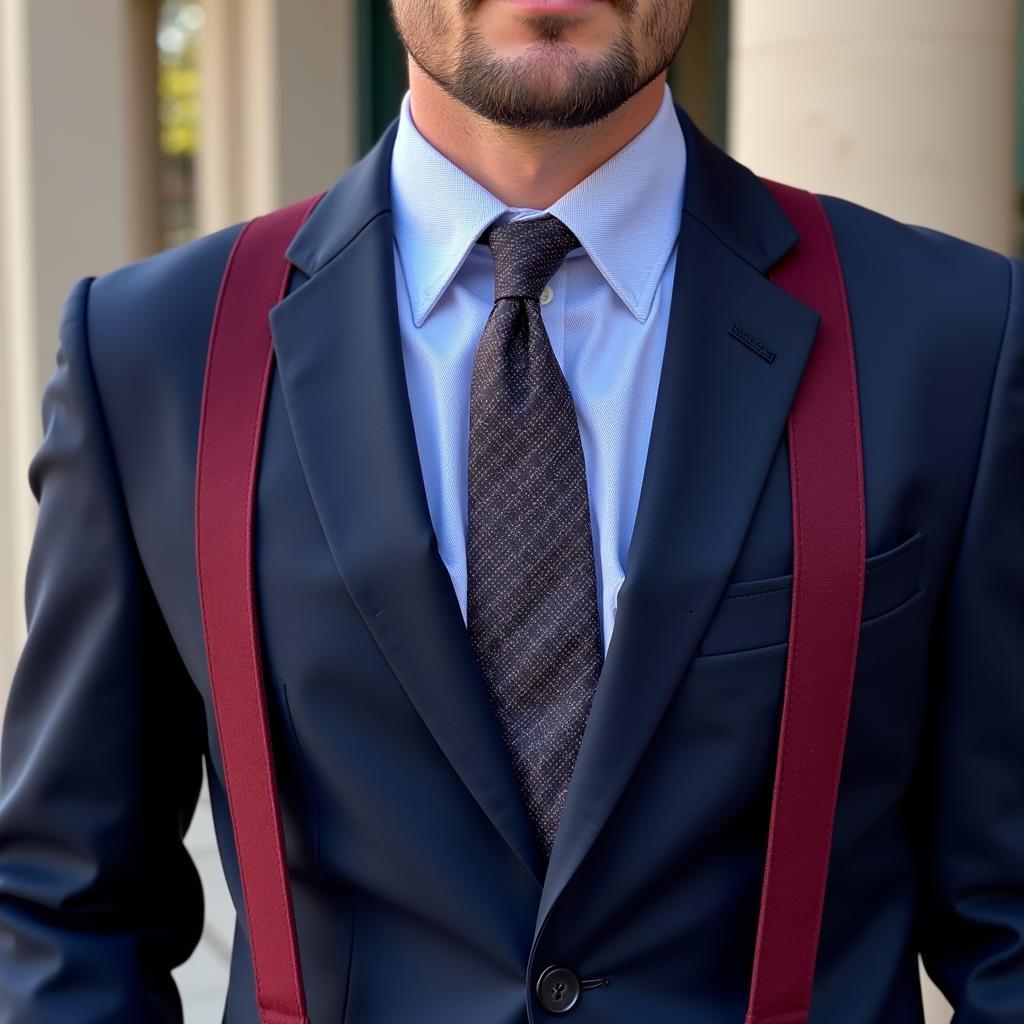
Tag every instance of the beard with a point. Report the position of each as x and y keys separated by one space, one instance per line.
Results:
x=550 y=86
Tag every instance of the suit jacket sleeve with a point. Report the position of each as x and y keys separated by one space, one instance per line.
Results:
x=972 y=793
x=101 y=747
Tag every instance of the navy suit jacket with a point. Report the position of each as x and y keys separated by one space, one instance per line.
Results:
x=418 y=895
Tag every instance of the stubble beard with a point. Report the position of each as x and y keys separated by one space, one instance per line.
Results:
x=553 y=87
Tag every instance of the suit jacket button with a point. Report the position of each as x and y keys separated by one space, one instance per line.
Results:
x=558 y=989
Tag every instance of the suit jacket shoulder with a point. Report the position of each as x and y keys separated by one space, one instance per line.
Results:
x=146 y=329
x=149 y=321
x=929 y=313
x=955 y=293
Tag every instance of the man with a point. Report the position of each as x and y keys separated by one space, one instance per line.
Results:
x=462 y=611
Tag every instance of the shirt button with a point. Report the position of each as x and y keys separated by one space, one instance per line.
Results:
x=546 y=295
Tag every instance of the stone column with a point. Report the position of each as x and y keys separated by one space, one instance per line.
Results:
x=279 y=115
x=907 y=107
x=77 y=197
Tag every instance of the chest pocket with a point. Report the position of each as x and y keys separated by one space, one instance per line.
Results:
x=755 y=613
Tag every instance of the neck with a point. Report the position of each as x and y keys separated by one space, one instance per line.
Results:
x=525 y=167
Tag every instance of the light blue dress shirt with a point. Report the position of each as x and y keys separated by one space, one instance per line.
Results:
x=605 y=309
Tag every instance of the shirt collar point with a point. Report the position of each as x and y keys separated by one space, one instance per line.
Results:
x=424 y=304
x=641 y=310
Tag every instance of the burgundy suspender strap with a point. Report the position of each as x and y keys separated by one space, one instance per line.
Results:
x=238 y=371
x=827 y=491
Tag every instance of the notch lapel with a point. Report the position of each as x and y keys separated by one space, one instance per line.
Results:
x=338 y=349
x=720 y=415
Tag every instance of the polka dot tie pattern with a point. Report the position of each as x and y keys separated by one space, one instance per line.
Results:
x=531 y=589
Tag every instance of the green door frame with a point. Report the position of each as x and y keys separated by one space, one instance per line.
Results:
x=382 y=75
x=699 y=76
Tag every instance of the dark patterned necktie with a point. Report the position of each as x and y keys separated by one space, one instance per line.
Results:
x=531 y=589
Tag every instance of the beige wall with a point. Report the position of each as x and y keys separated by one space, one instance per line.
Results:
x=76 y=166
x=279 y=104
x=908 y=106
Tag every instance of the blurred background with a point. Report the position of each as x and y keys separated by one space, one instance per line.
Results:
x=127 y=126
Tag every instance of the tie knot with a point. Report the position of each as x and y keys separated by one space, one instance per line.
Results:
x=526 y=254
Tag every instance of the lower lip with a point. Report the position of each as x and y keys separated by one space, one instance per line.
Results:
x=551 y=6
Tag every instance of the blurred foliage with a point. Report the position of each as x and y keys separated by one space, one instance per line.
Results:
x=178 y=96
x=178 y=77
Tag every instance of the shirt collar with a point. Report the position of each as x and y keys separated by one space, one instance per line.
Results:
x=626 y=213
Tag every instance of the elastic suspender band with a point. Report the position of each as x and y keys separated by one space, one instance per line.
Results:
x=827 y=490
x=238 y=370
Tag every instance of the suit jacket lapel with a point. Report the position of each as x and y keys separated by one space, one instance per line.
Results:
x=338 y=350
x=719 y=417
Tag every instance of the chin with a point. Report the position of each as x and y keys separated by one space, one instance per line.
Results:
x=551 y=61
